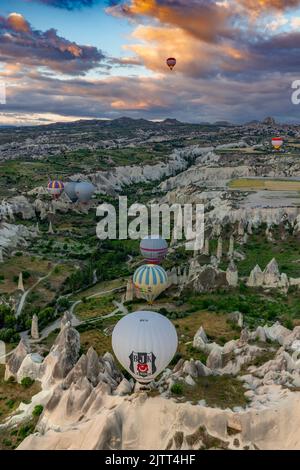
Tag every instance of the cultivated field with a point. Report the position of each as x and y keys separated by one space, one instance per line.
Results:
x=264 y=184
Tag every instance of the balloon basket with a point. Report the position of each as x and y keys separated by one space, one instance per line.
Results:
x=142 y=387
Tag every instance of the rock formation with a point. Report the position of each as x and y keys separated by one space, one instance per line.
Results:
x=269 y=235
x=62 y=356
x=231 y=247
x=200 y=339
x=66 y=318
x=232 y=276
x=14 y=236
x=209 y=279
x=206 y=247
x=20 y=282
x=272 y=274
x=241 y=228
x=90 y=405
x=129 y=291
x=256 y=277
x=220 y=248
x=15 y=360
x=50 y=229
x=35 y=327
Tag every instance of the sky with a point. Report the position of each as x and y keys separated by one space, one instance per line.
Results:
x=63 y=60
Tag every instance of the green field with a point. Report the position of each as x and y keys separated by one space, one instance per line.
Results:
x=27 y=174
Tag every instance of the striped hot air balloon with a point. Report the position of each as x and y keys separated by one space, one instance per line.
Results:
x=55 y=188
x=171 y=62
x=277 y=142
x=149 y=281
x=153 y=249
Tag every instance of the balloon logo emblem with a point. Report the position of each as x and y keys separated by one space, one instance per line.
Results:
x=142 y=364
x=142 y=368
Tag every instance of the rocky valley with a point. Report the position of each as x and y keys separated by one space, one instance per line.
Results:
x=234 y=381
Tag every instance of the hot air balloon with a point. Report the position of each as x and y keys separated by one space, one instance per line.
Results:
x=149 y=281
x=144 y=343
x=277 y=142
x=171 y=62
x=70 y=190
x=55 y=188
x=153 y=249
x=84 y=191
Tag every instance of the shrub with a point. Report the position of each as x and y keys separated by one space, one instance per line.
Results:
x=163 y=311
x=177 y=389
x=63 y=304
x=7 y=442
x=26 y=382
x=288 y=323
x=25 y=430
x=38 y=410
x=10 y=403
x=8 y=335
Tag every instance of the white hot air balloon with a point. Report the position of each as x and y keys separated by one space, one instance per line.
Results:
x=84 y=191
x=70 y=190
x=144 y=343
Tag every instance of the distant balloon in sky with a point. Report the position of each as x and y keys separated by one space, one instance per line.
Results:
x=153 y=249
x=171 y=62
x=277 y=142
x=70 y=190
x=144 y=343
x=55 y=188
x=84 y=191
x=149 y=281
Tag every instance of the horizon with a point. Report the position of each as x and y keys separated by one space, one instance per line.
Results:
x=100 y=59
x=158 y=121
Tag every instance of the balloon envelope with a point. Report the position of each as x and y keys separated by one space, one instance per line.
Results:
x=144 y=343
x=84 y=191
x=149 y=281
x=277 y=142
x=55 y=188
x=70 y=190
x=171 y=62
x=153 y=249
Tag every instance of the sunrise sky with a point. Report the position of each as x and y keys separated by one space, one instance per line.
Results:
x=73 y=59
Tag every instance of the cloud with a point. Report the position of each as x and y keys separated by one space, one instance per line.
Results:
x=276 y=23
x=68 y=4
x=194 y=58
x=230 y=44
x=265 y=5
x=228 y=67
x=295 y=22
x=20 y=43
x=124 y=61
x=186 y=98
x=203 y=19
x=17 y=23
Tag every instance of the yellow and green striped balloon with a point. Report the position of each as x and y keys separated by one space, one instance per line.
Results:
x=150 y=280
